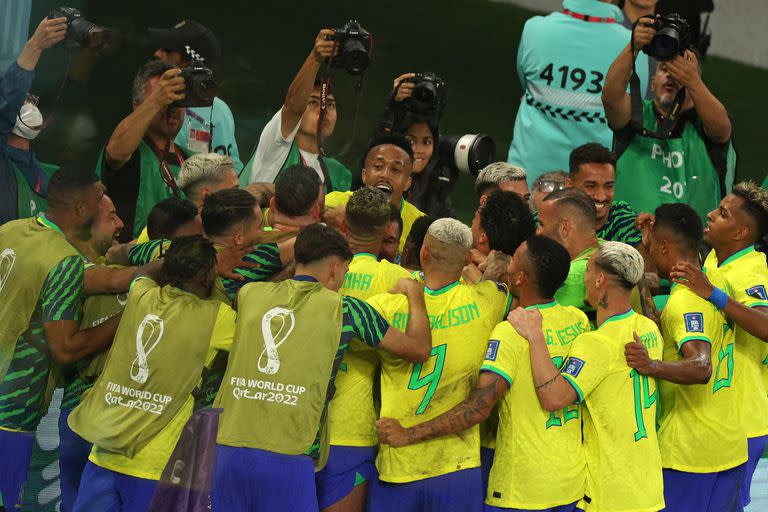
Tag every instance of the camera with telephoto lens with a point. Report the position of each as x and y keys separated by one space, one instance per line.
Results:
x=427 y=97
x=468 y=153
x=82 y=31
x=199 y=86
x=354 y=44
x=673 y=37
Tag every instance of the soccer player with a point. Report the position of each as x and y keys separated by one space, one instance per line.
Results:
x=298 y=202
x=701 y=435
x=232 y=219
x=352 y=413
x=392 y=235
x=501 y=176
x=619 y=404
x=593 y=171
x=732 y=230
x=531 y=444
x=41 y=283
x=501 y=222
x=290 y=340
x=136 y=410
x=444 y=473
x=568 y=216
x=387 y=166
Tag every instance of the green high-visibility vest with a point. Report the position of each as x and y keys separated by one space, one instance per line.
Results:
x=29 y=250
x=341 y=177
x=652 y=171
x=275 y=387
x=30 y=203
x=153 y=366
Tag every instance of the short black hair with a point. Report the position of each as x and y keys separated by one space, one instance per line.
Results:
x=393 y=139
x=416 y=237
x=682 y=222
x=69 y=182
x=167 y=216
x=226 y=207
x=296 y=190
x=551 y=263
x=590 y=153
x=507 y=221
x=318 y=241
x=576 y=200
x=149 y=70
x=186 y=257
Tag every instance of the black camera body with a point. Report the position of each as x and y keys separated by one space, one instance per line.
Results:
x=82 y=31
x=673 y=37
x=355 y=45
x=199 y=86
x=428 y=96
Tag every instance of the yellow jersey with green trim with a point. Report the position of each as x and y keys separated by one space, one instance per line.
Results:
x=461 y=318
x=533 y=445
x=698 y=427
x=352 y=414
x=150 y=461
x=619 y=409
x=408 y=212
x=747 y=274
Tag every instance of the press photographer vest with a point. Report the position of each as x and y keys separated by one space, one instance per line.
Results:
x=29 y=250
x=30 y=203
x=333 y=170
x=651 y=172
x=274 y=391
x=97 y=309
x=154 y=365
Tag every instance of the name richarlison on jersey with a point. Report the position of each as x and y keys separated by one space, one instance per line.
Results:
x=453 y=318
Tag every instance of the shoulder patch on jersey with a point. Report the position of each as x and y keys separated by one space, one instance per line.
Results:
x=574 y=366
x=694 y=322
x=757 y=292
x=493 y=350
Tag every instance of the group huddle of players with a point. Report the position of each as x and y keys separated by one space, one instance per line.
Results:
x=442 y=380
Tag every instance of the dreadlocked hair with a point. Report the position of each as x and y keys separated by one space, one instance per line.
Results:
x=186 y=257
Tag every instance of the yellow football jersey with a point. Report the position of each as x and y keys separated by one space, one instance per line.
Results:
x=622 y=450
x=461 y=318
x=352 y=415
x=532 y=444
x=150 y=461
x=408 y=212
x=718 y=442
x=747 y=275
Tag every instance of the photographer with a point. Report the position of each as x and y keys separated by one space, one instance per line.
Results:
x=140 y=162
x=562 y=62
x=290 y=137
x=206 y=129
x=695 y=163
x=24 y=180
x=417 y=119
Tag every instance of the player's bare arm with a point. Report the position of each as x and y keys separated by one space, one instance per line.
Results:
x=475 y=409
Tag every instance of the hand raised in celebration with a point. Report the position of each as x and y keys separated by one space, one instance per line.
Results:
x=526 y=322
x=391 y=432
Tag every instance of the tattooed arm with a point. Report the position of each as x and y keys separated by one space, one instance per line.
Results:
x=488 y=390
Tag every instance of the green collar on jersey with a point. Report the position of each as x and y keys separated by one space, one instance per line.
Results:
x=440 y=291
x=620 y=316
x=733 y=257
x=365 y=255
x=546 y=305
x=45 y=221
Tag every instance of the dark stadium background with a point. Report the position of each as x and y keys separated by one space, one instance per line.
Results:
x=472 y=44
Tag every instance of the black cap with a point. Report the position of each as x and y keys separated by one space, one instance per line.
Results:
x=192 y=39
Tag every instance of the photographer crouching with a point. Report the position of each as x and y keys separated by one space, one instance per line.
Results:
x=676 y=147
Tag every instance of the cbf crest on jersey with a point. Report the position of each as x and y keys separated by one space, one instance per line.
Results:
x=757 y=292
x=694 y=322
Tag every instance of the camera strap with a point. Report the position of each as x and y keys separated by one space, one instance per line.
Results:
x=668 y=124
